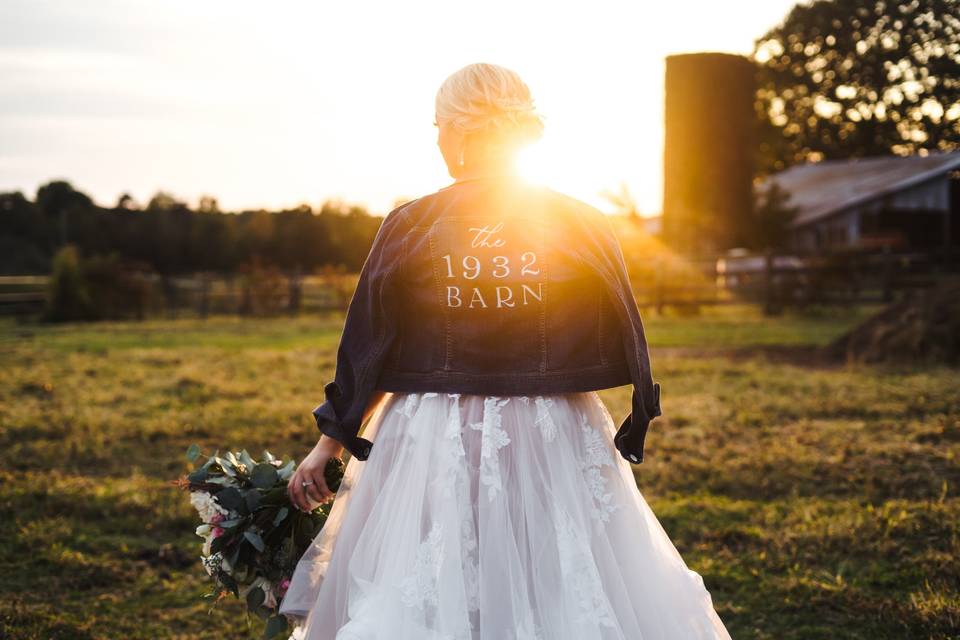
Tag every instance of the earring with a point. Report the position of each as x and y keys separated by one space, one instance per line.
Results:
x=460 y=159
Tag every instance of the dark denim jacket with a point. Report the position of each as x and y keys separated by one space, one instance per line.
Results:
x=491 y=286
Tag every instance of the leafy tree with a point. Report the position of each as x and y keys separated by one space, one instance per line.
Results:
x=847 y=78
x=170 y=237
x=772 y=214
x=126 y=202
x=59 y=195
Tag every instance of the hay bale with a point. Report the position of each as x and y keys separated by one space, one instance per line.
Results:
x=923 y=328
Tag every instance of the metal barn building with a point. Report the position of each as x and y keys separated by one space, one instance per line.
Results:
x=907 y=203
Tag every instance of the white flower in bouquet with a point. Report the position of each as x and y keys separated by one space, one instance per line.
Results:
x=208 y=532
x=205 y=531
x=206 y=506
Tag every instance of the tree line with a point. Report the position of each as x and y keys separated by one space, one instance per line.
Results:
x=169 y=237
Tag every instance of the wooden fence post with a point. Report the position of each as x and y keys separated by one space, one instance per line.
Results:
x=770 y=306
x=204 y=295
x=658 y=286
x=295 y=296
x=887 y=274
x=170 y=296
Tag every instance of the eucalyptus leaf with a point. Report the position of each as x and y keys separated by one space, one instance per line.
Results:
x=275 y=496
x=199 y=475
x=281 y=515
x=234 y=556
x=287 y=470
x=226 y=465
x=247 y=459
x=255 y=598
x=229 y=524
x=231 y=498
x=253 y=500
x=303 y=532
x=254 y=538
x=264 y=476
x=193 y=452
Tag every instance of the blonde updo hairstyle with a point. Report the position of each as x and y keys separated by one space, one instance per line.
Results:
x=490 y=105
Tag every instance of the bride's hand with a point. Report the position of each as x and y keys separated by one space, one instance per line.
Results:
x=311 y=472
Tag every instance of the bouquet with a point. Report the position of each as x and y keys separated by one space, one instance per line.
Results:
x=253 y=535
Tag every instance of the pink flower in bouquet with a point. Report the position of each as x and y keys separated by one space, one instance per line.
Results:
x=217 y=518
x=284 y=585
x=217 y=532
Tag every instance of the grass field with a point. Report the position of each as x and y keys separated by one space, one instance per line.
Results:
x=817 y=501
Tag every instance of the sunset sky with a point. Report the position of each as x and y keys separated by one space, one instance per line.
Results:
x=274 y=104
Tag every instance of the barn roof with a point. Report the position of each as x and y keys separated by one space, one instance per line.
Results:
x=823 y=188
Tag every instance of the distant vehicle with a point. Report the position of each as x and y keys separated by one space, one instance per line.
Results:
x=741 y=268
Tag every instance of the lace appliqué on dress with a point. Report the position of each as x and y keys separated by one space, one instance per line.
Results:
x=580 y=572
x=596 y=456
x=409 y=404
x=493 y=438
x=456 y=484
x=420 y=589
x=548 y=428
x=412 y=404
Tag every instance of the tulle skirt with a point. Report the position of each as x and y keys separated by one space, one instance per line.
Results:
x=495 y=518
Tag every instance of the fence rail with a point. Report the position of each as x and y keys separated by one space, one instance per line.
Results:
x=773 y=281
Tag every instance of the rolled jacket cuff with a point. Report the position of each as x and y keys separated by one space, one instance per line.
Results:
x=655 y=408
x=646 y=406
x=329 y=424
x=631 y=435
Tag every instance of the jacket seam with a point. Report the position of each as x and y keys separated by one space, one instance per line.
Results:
x=600 y=319
x=543 y=306
x=446 y=311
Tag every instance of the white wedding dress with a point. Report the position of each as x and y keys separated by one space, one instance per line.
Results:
x=495 y=518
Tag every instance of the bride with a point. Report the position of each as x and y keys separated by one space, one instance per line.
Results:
x=491 y=495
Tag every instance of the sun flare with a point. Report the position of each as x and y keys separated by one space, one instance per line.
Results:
x=534 y=165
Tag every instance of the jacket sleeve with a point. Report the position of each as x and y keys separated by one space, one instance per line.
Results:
x=645 y=399
x=368 y=332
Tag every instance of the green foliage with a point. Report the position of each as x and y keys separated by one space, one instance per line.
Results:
x=172 y=238
x=848 y=78
x=769 y=227
x=68 y=296
x=264 y=289
x=95 y=288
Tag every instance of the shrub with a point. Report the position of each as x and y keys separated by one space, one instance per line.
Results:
x=68 y=297
x=264 y=289
x=95 y=288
